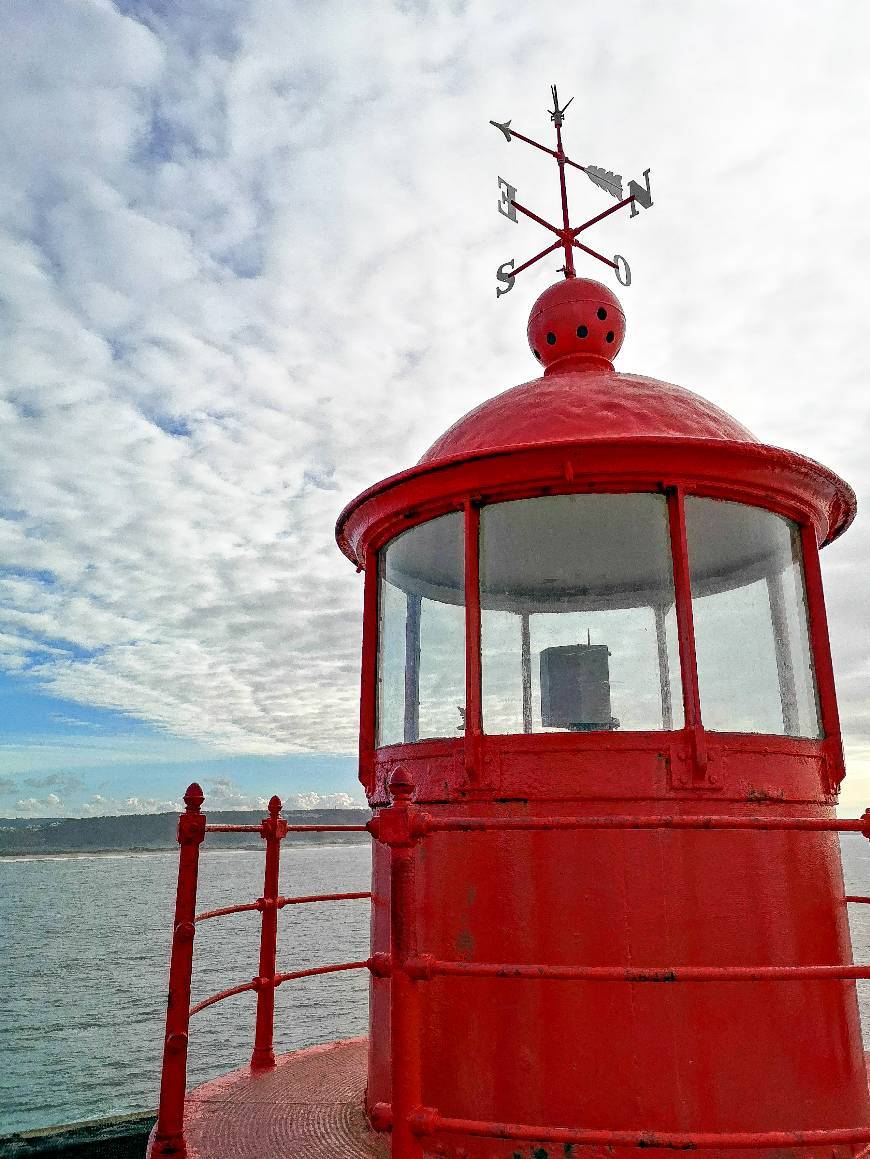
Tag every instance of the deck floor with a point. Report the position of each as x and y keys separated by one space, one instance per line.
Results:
x=311 y=1105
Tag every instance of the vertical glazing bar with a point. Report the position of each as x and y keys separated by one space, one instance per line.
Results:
x=407 y=1052
x=686 y=628
x=821 y=650
x=169 y=1136
x=273 y=829
x=526 y=661
x=664 y=669
x=413 y=610
x=473 y=710
x=782 y=652
x=368 y=706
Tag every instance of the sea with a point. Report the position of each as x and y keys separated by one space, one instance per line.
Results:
x=85 y=945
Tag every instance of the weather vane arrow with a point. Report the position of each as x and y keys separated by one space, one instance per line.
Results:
x=567 y=235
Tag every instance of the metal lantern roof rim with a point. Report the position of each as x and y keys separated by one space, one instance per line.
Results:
x=666 y=443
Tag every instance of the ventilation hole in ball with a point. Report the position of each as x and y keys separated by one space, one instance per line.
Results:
x=602 y=313
x=551 y=338
x=609 y=336
x=582 y=331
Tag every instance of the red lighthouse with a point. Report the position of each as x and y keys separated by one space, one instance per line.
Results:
x=599 y=735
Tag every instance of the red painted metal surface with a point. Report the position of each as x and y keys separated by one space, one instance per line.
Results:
x=473 y=710
x=610 y=862
x=274 y=830
x=169 y=1138
x=683 y=887
x=671 y=1140
x=310 y=1104
x=407 y=966
x=576 y=322
x=744 y=472
x=412 y=1117
x=818 y=625
x=169 y=1134
x=576 y=401
x=405 y=1030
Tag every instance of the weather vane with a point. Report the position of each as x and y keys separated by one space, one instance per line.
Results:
x=567 y=235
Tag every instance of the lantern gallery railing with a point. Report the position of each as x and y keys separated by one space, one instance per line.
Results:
x=402 y=828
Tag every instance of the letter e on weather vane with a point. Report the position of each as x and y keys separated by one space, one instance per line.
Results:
x=506 y=205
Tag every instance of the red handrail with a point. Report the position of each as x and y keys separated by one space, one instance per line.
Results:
x=424 y=823
x=169 y=1135
x=280 y=902
x=425 y=967
x=402 y=827
x=429 y=1121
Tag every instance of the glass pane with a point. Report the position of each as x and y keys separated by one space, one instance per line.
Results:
x=421 y=661
x=755 y=671
x=577 y=615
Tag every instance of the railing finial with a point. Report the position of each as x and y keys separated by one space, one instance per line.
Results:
x=275 y=807
x=401 y=784
x=194 y=798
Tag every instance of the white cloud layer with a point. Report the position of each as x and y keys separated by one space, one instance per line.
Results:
x=222 y=793
x=247 y=258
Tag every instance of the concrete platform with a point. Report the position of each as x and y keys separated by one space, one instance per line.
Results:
x=310 y=1105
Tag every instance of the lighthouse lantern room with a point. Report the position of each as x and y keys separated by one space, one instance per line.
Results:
x=599 y=736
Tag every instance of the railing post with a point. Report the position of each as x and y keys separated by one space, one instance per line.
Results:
x=274 y=830
x=169 y=1136
x=407 y=1098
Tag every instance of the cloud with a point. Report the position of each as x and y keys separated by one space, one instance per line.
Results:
x=222 y=794
x=100 y=806
x=58 y=783
x=247 y=268
x=60 y=718
x=322 y=801
x=49 y=806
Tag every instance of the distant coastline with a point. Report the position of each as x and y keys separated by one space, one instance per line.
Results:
x=153 y=832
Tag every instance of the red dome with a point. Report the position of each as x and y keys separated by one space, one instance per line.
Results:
x=575 y=328
x=616 y=423
x=578 y=400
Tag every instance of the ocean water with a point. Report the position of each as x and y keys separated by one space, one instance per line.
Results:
x=85 y=950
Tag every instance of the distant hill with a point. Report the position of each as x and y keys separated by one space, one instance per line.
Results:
x=157 y=831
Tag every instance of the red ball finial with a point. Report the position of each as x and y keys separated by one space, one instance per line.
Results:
x=193 y=798
x=401 y=784
x=576 y=320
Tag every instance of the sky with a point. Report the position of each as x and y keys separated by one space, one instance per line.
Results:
x=247 y=268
